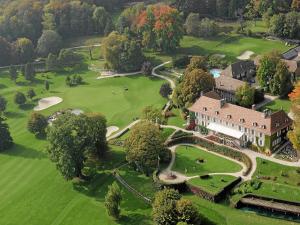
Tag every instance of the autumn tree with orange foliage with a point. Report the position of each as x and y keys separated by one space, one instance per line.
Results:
x=294 y=135
x=161 y=27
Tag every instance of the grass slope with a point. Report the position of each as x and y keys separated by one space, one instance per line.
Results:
x=187 y=156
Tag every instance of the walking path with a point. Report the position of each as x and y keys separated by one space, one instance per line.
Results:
x=119 y=75
x=118 y=134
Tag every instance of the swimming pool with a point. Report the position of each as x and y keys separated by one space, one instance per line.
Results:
x=215 y=72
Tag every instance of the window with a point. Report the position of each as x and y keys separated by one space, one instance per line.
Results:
x=232 y=125
x=260 y=142
x=214 y=120
x=240 y=128
x=245 y=130
x=252 y=132
x=260 y=134
x=217 y=112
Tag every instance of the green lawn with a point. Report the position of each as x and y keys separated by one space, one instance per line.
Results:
x=279 y=104
x=32 y=190
x=230 y=45
x=177 y=119
x=187 y=156
x=213 y=184
x=278 y=181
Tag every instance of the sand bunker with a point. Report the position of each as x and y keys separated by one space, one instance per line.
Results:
x=111 y=130
x=46 y=103
x=246 y=55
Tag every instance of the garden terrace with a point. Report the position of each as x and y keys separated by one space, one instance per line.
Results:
x=188 y=162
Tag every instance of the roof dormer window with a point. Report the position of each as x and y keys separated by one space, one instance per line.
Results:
x=242 y=120
x=217 y=112
x=229 y=116
x=255 y=124
x=204 y=108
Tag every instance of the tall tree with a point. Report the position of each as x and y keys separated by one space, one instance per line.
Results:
x=13 y=73
x=71 y=138
x=165 y=23
x=6 y=140
x=281 y=83
x=5 y=52
x=113 y=200
x=49 y=42
x=29 y=72
x=24 y=50
x=144 y=146
x=294 y=134
x=3 y=104
x=121 y=53
x=192 y=85
x=245 y=95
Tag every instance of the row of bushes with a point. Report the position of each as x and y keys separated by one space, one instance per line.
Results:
x=180 y=134
x=214 y=147
x=214 y=197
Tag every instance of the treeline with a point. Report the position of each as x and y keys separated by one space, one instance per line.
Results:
x=234 y=8
x=33 y=28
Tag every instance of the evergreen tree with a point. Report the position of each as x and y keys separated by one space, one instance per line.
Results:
x=13 y=73
x=6 y=140
x=29 y=72
x=20 y=98
x=31 y=94
x=113 y=200
x=3 y=104
x=47 y=85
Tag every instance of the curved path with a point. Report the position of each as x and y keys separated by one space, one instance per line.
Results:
x=118 y=134
x=172 y=83
x=180 y=178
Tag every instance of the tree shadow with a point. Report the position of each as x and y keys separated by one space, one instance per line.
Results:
x=134 y=219
x=2 y=86
x=27 y=106
x=25 y=152
x=13 y=115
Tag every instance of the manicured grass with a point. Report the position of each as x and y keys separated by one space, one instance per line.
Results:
x=166 y=132
x=230 y=45
x=279 y=104
x=212 y=184
x=187 y=156
x=278 y=181
x=32 y=190
x=177 y=119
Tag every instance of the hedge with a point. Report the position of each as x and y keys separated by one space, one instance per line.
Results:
x=214 y=147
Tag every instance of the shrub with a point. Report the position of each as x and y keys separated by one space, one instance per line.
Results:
x=180 y=61
x=147 y=68
x=19 y=98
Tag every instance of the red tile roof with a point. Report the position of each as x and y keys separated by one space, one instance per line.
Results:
x=238 y=115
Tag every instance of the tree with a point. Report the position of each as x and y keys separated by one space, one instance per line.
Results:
x=13 y=73
x=192 y=24
x=69 y=58
x=52 y=63
x=197 y=62
x=71 y=138
x=3 y=104
x=267 y=69
x=245 y=95
x=47 y=85
x=113 y=200
x=144 y=146
x=147 y=68
x=163 y=207
x=281 y=83
x=277 y=24
x=294 y=134
x=152 y=114
x=207 y=28
x=97 y=132
x=6 y=140
x=49 y=42
x=29 y=72
x=191 y=87
x=5 y=52
x=19 y=98
x=169 y=208
x=37 y=124
x=187 y=212
x=102 y=20
x=121 y=53
x=292 y=25
x=162 y=26
x=295 y=5
x=31 y=94
x=165 y=90
x=24 y=50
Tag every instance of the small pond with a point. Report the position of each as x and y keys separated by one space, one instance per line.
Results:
x=215 y=72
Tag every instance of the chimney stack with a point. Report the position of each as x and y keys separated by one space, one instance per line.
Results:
x=266 y=113
x=222 y=102
x=253 y=107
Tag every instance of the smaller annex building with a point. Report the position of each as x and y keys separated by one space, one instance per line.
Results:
x=244 y=126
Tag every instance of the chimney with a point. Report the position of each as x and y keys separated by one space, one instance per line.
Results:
x=266 y=113
x=222 y=102
x=253 y=107
x=201 y=93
